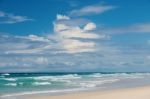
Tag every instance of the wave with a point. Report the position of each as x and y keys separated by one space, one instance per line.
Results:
x=11 y=84
x=87 y=85
x=41 y=83
x=58 y=78
x=5 y=74
x=123 y=75
x=94 y=83
x=10 y=79
x=69 y=76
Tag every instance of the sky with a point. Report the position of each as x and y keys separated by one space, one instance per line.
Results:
x=74 y=36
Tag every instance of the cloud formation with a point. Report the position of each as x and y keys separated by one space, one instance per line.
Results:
x=72 y=37
x=65 y=39
x=91 y=9
x=8 y=18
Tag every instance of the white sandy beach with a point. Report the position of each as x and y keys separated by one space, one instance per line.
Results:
x=128 y=93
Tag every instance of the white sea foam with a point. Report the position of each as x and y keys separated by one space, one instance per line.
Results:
x=42 y=78
x=51 y=78
x=87 y=85
x=121 y=75
x=6 y=74
x=99 y=82
x=41 y=83
x=10 y=79
x=69 y=76
x=131 y=75
x=91 y=83
x=58 y=78
x=11 y=84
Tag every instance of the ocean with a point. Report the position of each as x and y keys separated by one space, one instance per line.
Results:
x=13 y=85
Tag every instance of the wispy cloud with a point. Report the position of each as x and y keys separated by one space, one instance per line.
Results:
x=9 y=18
x=91 y=9
x=135 y=28
x=34 y=38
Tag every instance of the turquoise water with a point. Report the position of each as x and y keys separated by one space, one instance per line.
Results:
x=17 y=84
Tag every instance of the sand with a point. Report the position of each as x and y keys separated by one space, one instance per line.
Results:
x=128 y=93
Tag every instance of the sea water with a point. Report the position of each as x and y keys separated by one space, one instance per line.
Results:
x=23 y=84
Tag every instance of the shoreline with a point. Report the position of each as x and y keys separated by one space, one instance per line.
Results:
x=123 y=93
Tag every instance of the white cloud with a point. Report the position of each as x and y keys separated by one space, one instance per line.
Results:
x=62 y=17
x=8 y=18
x=76 y=46
x=92 y=9
x=65 y=31
x=90 y=26
x=60 y=27
x=69 y=37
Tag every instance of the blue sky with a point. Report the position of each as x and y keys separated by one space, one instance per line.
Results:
x=74 y=35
